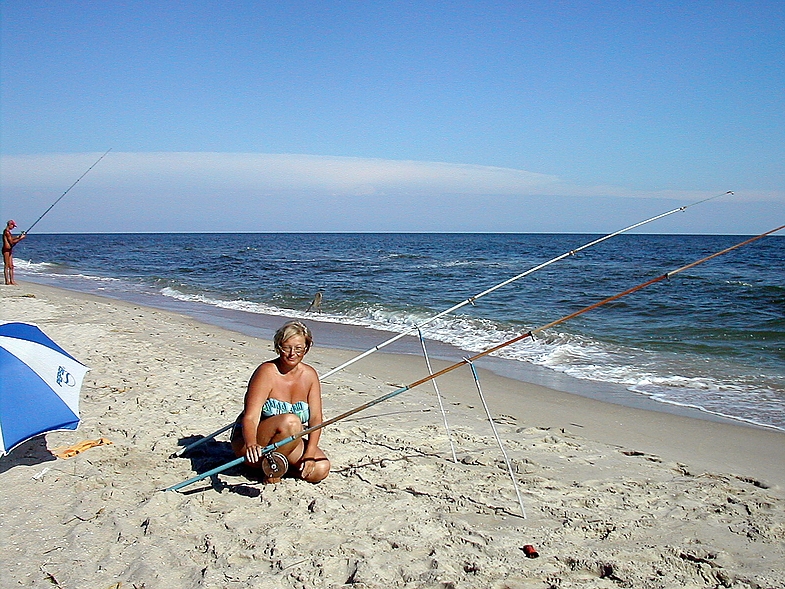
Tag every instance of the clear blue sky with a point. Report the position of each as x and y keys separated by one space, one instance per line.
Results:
x=392 y=116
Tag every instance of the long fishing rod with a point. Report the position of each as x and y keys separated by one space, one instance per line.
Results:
x=468 y=301
x=529 y=334
x=66 y=192
x=471 y=300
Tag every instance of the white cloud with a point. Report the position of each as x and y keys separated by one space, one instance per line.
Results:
x=281 y=192
x=332 y=175
x=345 y=175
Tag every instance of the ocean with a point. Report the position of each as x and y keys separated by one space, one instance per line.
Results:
x=710 y=339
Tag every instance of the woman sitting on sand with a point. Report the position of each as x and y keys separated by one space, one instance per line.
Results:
x=284 y=396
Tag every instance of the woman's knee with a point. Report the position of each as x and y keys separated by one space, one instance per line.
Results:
x=289 y=424
x=278 y=427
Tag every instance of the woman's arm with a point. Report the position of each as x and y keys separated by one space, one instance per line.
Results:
x=259 y=388
x=316 y=417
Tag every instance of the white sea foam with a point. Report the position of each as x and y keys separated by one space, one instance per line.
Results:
x=577 y=356
x=24 y=267
x=665 y=378
x=650 y=373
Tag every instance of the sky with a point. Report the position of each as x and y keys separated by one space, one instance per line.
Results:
x=392 y=116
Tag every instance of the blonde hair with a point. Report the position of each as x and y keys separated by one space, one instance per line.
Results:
x=289 y=329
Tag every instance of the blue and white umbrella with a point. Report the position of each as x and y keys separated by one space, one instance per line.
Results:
x=39 y=385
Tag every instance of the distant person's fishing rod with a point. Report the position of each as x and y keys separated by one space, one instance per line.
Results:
x=66 y=192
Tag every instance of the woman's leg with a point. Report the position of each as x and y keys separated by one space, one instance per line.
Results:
x=270 y=430
x=279 y=427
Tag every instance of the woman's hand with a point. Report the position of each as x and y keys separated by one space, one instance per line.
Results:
x=253 y=453
x=306 y=467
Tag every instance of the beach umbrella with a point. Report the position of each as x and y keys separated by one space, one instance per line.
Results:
x=39 y=385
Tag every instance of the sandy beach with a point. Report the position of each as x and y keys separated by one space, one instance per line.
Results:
x=614 y=496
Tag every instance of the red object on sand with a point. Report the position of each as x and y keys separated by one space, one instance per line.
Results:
x=530 y=551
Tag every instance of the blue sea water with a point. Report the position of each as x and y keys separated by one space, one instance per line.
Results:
x=711 y=337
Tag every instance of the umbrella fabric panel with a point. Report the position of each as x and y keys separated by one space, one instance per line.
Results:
x=26 y=331
x=28 y=405
x=63 y=374
x=39 y=385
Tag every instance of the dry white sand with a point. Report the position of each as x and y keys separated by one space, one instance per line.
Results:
x=615 y=497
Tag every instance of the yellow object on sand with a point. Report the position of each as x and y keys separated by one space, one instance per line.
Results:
x=71 y=451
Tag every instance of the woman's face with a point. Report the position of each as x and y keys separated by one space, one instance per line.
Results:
x=293 y=350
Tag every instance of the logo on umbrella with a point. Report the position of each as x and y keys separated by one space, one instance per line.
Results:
x=63 y=376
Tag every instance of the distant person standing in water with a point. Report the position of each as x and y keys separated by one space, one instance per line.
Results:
x=9 y=241
x=316 y=303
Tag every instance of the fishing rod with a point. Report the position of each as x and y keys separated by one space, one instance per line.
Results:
x=469 y=301
x=529 y=334
x=66 y=192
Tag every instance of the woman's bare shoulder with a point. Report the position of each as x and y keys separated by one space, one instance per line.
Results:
x=310 y=371
x=308 y=375
x=265 y=369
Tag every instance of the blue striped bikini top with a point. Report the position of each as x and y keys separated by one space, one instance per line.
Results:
x=275 y=407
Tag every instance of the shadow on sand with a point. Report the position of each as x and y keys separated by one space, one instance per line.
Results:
x=210 y=455
x=29 y=453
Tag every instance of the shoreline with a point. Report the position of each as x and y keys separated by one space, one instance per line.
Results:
x=613 y=494
x=656 y=424
x=358 y=339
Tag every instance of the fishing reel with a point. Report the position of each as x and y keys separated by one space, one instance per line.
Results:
x=274 y=465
